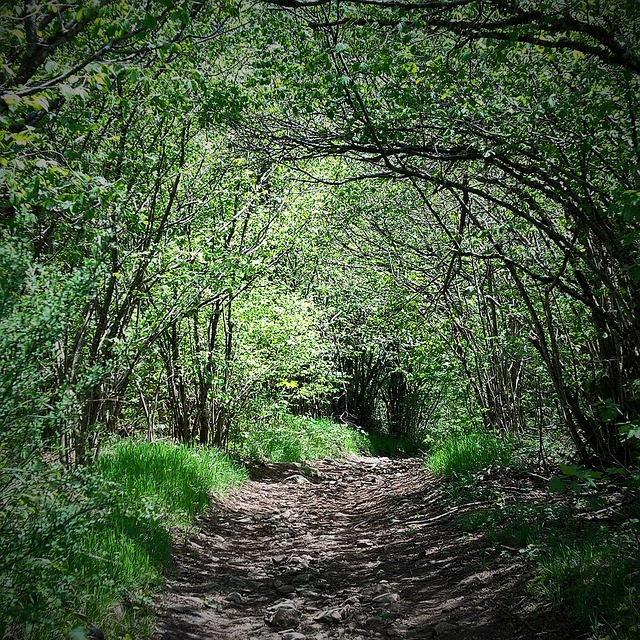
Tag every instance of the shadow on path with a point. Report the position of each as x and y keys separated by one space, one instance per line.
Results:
x=356 y=549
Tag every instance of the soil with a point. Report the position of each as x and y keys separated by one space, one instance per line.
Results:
x=362 y=548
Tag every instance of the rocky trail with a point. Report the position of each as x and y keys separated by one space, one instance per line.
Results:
x=359 y=549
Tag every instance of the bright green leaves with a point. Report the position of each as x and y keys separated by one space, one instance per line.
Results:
x=11 y=99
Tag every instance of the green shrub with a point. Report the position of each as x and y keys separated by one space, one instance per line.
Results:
x=467 y=454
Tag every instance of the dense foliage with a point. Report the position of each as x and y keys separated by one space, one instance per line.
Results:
x=219 y=221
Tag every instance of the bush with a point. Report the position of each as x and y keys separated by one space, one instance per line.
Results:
x=467 y=454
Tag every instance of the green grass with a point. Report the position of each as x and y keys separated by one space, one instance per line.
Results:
x=289 y=438
x=381 y=445
x=519 y=525
x=467 y=454
x=84 y=546
x=591 y=568
x=175 y=479
x=598 y=581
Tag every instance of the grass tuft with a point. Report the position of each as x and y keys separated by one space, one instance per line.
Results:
x=599 y=582
x=289 y=438
x=174 y=479
x=467 y=454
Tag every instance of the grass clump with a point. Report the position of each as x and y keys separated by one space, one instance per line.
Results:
x=288 y=438
x=518 y=525
x=284 y=437
x=90 y=546
x=382 y=445
x=175 y=479
x=467 y=454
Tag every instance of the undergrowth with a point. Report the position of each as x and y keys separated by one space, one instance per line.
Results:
x=382 y=445
x=174 y=479
x=284 y=437
x=289 y=438
x=589 y=566
x=598 y=579
x=89 y=547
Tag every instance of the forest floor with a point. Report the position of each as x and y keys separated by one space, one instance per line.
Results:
x=363 y=548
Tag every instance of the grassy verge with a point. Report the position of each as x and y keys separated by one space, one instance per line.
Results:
x=90 y=547
x=583 y=556
x=381 y=445
x=288 y=438
x=599 y=580
x=174 y=479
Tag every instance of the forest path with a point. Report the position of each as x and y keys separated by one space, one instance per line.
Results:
x=359 y=548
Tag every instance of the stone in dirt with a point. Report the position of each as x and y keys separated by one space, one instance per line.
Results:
x=442 y=628
x=332 y=616
x=285 y=604
x=293 y=635
x=301 y=578
x=284 y=619
x=285 y=589
x=386 y=598
x=373 y=623
x=235 y=597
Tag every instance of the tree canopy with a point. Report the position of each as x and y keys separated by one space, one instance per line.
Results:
x=449 y=189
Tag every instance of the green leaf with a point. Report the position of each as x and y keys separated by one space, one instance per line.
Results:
x=616 y=471
x=11 y=98
x=556 y=485
x=575 y=487
x=150 y=21
x=569 y=470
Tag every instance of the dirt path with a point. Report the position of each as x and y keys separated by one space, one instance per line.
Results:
x=355 y=549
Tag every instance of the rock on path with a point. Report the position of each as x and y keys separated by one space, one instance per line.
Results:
x=343 y=549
